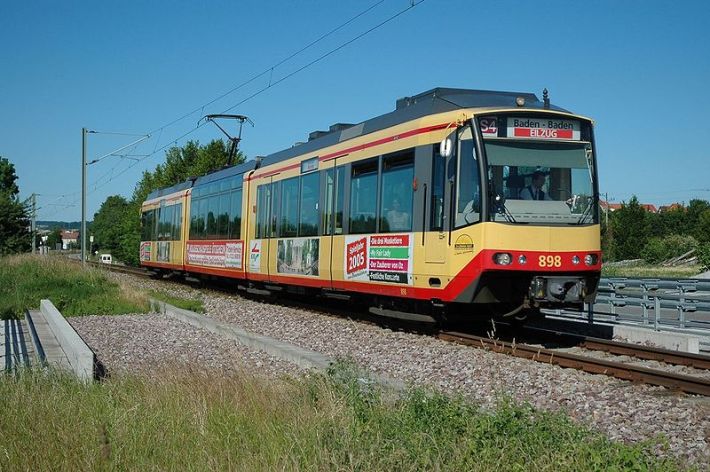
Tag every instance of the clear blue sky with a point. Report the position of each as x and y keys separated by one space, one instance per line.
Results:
x=641 y=69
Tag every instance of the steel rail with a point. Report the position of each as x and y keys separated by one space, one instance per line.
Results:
x=618 y=370
x=697 y=361
x=619 y=348
x=124 y=269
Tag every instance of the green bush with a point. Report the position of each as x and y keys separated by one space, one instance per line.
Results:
x=703 y=253
x=661 y=249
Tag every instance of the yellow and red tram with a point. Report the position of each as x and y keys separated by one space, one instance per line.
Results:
x=458 y=202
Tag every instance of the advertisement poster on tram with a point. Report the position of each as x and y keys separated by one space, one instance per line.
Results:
x=379 y=258
x=255 y=256
x=146 y=247
x=298 y=256
x=220 y=254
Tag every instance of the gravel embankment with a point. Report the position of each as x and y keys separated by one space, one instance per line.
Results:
x=622 y=410
x=148 y=343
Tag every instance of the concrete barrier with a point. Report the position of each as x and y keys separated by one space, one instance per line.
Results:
x=674 y=341
x=299 y=356
x=81 y=358
x=282 y=350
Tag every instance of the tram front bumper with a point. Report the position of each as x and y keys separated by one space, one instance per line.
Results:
x=558 y=289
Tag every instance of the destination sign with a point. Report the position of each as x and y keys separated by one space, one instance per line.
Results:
x=543 y=128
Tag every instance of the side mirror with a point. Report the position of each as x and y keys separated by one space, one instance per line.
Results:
x=446 y=147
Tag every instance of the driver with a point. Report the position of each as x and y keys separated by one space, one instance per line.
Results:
x=534 y=191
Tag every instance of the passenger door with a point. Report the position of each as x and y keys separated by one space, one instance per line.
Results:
x=438 y=217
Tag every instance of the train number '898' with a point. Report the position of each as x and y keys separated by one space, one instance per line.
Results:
x=549 y=261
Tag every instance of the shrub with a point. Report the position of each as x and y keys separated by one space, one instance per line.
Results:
x=703 y=253
x=661 y=249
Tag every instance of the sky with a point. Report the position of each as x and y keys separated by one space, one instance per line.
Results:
x=640 y=69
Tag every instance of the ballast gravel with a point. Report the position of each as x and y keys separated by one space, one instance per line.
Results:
x=152 y=342
x=624 y=411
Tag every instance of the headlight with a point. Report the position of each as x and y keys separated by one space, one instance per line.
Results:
x=591 y=259
x=502 y=258
x=522 y=259
x=575 y=260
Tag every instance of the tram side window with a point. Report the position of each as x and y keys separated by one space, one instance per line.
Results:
x=195 y=218
x=288 y=227
x=397 y=192
x=363 y=197
x=235 y=211
x=147 y=225
x=272 y=230
x=177 y=222
x=334 y=195
x=468 y=195
x=438 y=188
x=199 y=207
x=165 y=222
x=263 y=203
x=223 y=217
x=339 y=199
x=212 y=211
x=308 y=212
x=328 y=201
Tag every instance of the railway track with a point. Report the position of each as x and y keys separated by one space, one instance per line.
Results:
x=122 y=269
x=620 y=370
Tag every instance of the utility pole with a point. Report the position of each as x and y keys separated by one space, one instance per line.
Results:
x=83 y=196
x=84 y=166
x=33 y=226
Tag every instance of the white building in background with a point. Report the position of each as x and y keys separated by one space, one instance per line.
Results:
x=69 y=237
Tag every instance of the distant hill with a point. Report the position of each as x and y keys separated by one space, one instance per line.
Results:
x=60 y=224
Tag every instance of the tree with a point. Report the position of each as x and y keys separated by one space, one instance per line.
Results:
x=14 y=220
x=702 y=228
x=107 y=227
x=181 y=163
x=669 y=222
x=54 y=238
x=630 y=227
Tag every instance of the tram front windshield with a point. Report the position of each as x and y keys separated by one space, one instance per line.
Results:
x=541 y=182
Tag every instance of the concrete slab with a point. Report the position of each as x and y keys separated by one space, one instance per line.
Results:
x=54 y=354
x=674 y=341
x=81 y=358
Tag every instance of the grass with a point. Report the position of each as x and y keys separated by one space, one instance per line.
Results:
x=191 y=304
x=191 y=419
x=26 y=279
x=644 y=270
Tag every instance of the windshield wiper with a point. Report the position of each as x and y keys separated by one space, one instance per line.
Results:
x=587 y=210
x=503 y=210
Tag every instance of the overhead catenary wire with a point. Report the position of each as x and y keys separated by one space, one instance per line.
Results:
x=272 y=83
x=320 y=58
x=174 y=141
x=268 y=69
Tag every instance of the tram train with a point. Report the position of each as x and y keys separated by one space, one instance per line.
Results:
x=459 y=203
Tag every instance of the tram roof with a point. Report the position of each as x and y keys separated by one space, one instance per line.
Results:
x=438 y=100
x=205 y=179
x=226 y=172
x=161 y=192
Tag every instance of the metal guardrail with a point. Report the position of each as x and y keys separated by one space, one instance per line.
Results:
x=661 y=304
x=656 y=301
